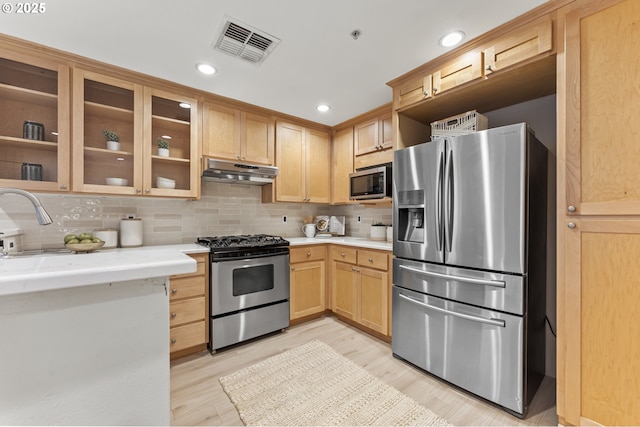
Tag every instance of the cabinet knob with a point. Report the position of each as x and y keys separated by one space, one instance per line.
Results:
x=425 y=93
x=138 y=190
x=353 y=269
x=370 y=259
x=435 y=90
x=293 y=268
x=571 y=225
x=173 y=315
x=148 y=190
x=488 y=68
x=308 y=253
x=63 y=186
x=173 y=341
x=571 y=208
x=174 y=291
x=238 y=157
x=342 y=254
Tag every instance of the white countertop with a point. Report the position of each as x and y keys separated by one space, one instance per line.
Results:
x=45 y=272
x=347 y=241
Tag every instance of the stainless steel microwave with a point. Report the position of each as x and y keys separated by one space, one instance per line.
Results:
x=371 y=183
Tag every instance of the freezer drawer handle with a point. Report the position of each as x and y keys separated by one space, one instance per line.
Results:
x=493 y=322
x=496 y=283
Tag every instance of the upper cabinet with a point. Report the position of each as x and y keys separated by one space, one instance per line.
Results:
x=139 y=116
x=303 y=157
x=373 y=141
x=232 y=134
x=35 y=125
x=466 y=68
x=341 y=164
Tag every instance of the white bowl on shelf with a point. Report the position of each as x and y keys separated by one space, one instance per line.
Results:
x=118 y=181
x=165 y=183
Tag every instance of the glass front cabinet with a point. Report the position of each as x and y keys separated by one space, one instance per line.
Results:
x=35 y=125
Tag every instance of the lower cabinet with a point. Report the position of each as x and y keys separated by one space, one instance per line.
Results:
x=360 y=287
x=307 y=281
x=188 y=309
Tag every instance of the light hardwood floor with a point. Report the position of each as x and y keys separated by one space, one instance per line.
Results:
x=197 y=397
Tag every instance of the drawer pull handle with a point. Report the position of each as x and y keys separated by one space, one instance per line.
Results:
x=173 y=315
x=173 y=340
x=174 y=291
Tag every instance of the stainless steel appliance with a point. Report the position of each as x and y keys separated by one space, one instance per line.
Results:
x=249 y=287
x=469 y=275
x=238 y=172
x=371 y=183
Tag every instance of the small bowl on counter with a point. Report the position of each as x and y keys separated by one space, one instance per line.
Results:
x=84 y=247
x=165 y=183
x=122 y=182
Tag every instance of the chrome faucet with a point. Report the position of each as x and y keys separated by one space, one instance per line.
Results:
x=41 y=214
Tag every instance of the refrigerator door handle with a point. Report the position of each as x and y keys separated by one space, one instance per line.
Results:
x=439 y=189
x=490 y=321
x=496 y=283
x=448 y=228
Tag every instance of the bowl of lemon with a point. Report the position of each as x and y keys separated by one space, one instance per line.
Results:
x=83 y=242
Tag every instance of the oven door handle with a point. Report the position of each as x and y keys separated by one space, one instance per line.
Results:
x=485 y=282
x=491 y=321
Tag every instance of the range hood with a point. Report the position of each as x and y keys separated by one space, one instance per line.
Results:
x=242 y=173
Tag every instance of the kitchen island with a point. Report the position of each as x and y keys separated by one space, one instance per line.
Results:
x=86 y=337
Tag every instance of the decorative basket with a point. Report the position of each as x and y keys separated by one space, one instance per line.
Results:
x=461 y=124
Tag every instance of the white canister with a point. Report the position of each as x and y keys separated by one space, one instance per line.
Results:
x=130 y=232
x=108 y=235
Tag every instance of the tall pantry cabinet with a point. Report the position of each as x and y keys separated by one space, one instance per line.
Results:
x=599 y=214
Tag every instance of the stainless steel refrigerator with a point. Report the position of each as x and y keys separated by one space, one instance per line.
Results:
x=469 y=273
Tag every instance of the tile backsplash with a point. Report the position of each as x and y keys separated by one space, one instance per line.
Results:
x=222 y=209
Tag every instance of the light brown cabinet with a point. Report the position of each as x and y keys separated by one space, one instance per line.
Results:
x=341 y=165
x=37 y=90
x=598 y=363
x=373 y=141
x=189 y=308
x=139 y=116
x=361 y=287
x=412 y=91
x=457 y=72
x=307 y=281
x=232 y=134
x=303 y=157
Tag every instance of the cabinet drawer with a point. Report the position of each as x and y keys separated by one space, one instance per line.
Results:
x=186 y=287
x=307 y=253
x=373 y=259
x=199 y=271
x=187 y=336
x=186 y=311
x=341 y=253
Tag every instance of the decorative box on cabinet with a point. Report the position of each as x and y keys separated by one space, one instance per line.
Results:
x=307 y=281
x=37 y=90
x=232 y=134
x=189 y=308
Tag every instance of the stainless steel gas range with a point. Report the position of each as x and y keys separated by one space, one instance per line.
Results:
x=249 y=286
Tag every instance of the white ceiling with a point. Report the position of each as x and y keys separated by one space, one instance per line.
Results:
x=317 y=61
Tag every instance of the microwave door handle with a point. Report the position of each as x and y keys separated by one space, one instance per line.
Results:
x=490 y=321
x=484 y=282
x=439 y=190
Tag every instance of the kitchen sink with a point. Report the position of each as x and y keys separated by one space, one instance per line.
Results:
x=39 y=252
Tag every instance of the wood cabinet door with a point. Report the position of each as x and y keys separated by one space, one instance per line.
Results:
x=412 y=92
x=344 y=292
x=519 y=45
x=307 y=293
x=385 y=132
x=462 y=70
x=601 y=107
x=365 y=137
x=38 y=90
x=318 y=165
x=258 y=136
x=290 y=159
x=598 y=349
x=221 y=131
x=341 y=165
x=373 y=299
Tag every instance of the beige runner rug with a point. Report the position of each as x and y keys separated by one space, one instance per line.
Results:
x=314 y=385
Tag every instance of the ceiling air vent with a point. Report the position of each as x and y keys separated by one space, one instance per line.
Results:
x=248 y=43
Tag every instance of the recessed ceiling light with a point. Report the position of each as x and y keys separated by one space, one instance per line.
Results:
x=323 y=108
x=451 y=39
x=205 y=69
x=185 y=105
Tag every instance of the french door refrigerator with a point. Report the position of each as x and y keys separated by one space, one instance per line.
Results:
x=469 y=273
